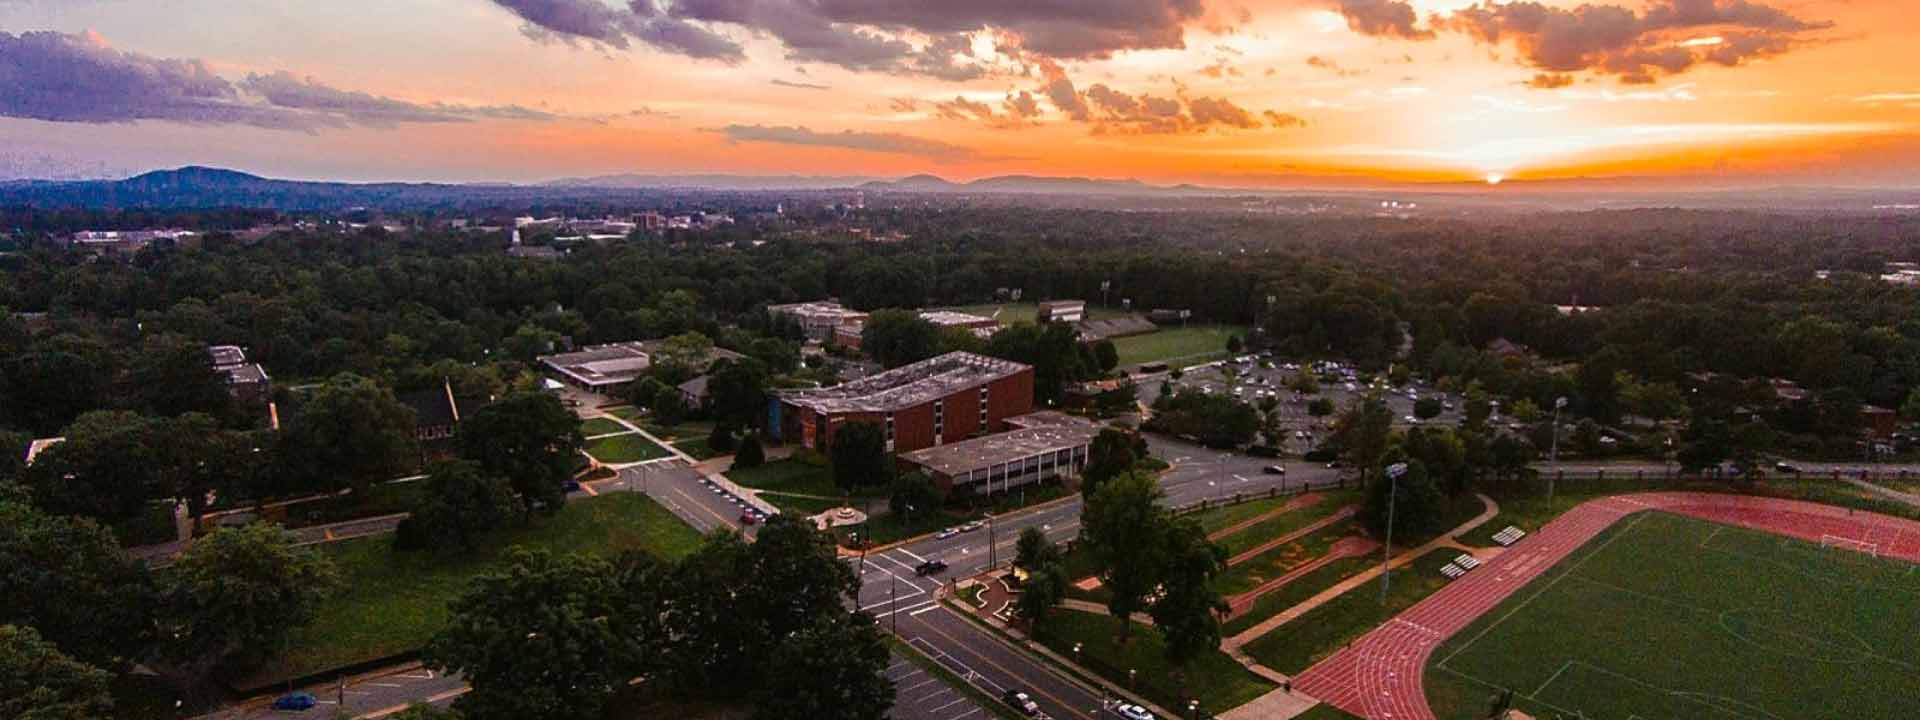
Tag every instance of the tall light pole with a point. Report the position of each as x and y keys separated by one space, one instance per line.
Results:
x=1394 y=472
x=1105 y=285
x=1553 y=454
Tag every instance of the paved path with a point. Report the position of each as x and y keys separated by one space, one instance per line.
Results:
x=1884 y=491
x=1233 y=644
x=1380 y=675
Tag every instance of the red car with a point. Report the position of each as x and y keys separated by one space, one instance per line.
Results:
x=748 y=518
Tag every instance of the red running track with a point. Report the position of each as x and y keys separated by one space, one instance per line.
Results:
x=1379 y=676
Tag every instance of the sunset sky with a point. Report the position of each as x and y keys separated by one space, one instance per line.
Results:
x=1257 y=93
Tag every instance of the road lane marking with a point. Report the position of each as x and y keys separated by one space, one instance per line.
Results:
x=916 y=613
x=1002 y=668
x=922 y=607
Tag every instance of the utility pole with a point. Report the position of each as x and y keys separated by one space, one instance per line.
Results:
x=1394 y=472
x=993 y=548
x=1553 y=454
x=893 y=596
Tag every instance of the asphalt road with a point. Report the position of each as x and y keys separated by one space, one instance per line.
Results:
x=904 y=602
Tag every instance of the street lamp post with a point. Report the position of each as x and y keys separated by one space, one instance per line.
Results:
x=1553 y=454
x=1394 y=472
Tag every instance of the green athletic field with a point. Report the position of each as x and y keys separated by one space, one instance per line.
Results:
x=1668 y=618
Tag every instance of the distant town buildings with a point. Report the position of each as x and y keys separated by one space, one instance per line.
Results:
x=1905 y=274
x=932 y=402
x=120 y=242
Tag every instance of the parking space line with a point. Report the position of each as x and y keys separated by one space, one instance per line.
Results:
x=956 y=701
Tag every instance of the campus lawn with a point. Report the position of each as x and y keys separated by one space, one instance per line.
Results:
x=1176 y=343
x=1324 y=711
x=1280 y=560
x=1681 y=618
x=380 y=499
x=601 y=426
x=628 y=413
x=624 y=449
x=1274 y=527
x=394 y=601
x=1297 y=645
x=792 y=476
x=1215 y=679
x=1222 y=518
x=1298 y=591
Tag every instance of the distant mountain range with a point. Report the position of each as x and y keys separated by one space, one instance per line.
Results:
x=200 y=187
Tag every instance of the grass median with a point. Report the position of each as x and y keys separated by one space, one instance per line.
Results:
x=395 y=601
x=617 y=449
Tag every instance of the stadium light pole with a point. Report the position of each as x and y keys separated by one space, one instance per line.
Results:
x=1553 y=454
x=1394 y=472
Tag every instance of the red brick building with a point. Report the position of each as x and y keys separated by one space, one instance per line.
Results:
x=929 y=403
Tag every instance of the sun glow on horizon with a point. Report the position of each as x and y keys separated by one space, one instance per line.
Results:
x=1495 y=178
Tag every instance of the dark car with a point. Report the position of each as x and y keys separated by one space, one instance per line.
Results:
x=1785 y=468
x=572 y=486
x=930 y=567
x=749 y=517
x=1274 y=470
x=295 y=701
x=1021 y=702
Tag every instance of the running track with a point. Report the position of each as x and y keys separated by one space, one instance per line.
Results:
x=1378 y=677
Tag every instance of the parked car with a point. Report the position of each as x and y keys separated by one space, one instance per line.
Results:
x=1274 y=470
x=572 y=486
x=930 y=567
x=748 y=517
x=296 y=701
x=972 y=526
x=947 y=533
x=1785 y=467
x=1133 y=712
x=1021 y=702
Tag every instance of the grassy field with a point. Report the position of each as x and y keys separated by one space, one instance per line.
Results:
x=790 y=476
x=624 y=449
x=1680 y=618
x=1278 y=561
x=394 y=601
x=1297 y=645
x=628 y=413
x=1284 y=523
x=601 y=426
x=1187 y=342
x=1220 y=683
x=1298 y=591
x=1323 y=711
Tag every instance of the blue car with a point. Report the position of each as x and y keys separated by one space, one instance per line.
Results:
x=295 y=701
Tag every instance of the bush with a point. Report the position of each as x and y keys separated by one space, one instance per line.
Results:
x=721 y=439
x=750 y=454
x=1320 y=407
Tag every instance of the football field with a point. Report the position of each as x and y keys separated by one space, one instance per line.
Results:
x=1662 y=617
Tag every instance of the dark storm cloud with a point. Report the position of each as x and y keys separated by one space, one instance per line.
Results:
x=1634 y=46
x=77 y=78
x=891 y=143
x=596 y=22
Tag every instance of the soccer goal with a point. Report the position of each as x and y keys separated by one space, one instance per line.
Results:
x=1836 y=541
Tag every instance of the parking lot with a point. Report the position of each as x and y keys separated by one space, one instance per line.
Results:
x=1252 y=379
x=919 y=695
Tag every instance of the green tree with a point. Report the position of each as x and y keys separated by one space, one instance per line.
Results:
x=859 y=456
x=534 y=639
x=1418 y=504
x=351 y=433
x=1107 y=354
x=1911 y=408
x=13 y=454
x=913 y=493
x=1426 y=408
x=48 y=386
x=1320 y=407
x=720 y=440
x=1121 y=529
x=1304 y=382
x=669 y=407
x=68 y=578
x=737 y=391
x=1033 y=550
x=238 y=593
x=38 y=682
x=1477 y=408
x=172 y=375
x=1188 y=609
x=750 y=454
x=529 y=438
x=834 y=667
x=459 y=505
x=1234 y=345
x=899 y=337
x=104 y=470
x=1363 y=431
x=1044 y=589
x=1110 y=455
x=644 y=392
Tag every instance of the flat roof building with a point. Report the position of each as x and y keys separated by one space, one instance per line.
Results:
x=599 y=368
x=928 y=403
x=818 y=319
x=949 y=318
x=247 y=381
x=1041 y=446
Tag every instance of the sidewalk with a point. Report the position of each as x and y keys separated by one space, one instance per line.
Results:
x=1886 y=492
x=1233 y=644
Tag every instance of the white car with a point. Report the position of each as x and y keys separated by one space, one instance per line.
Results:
x=947 y=533
x=972 y=526
x=1133 y=712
